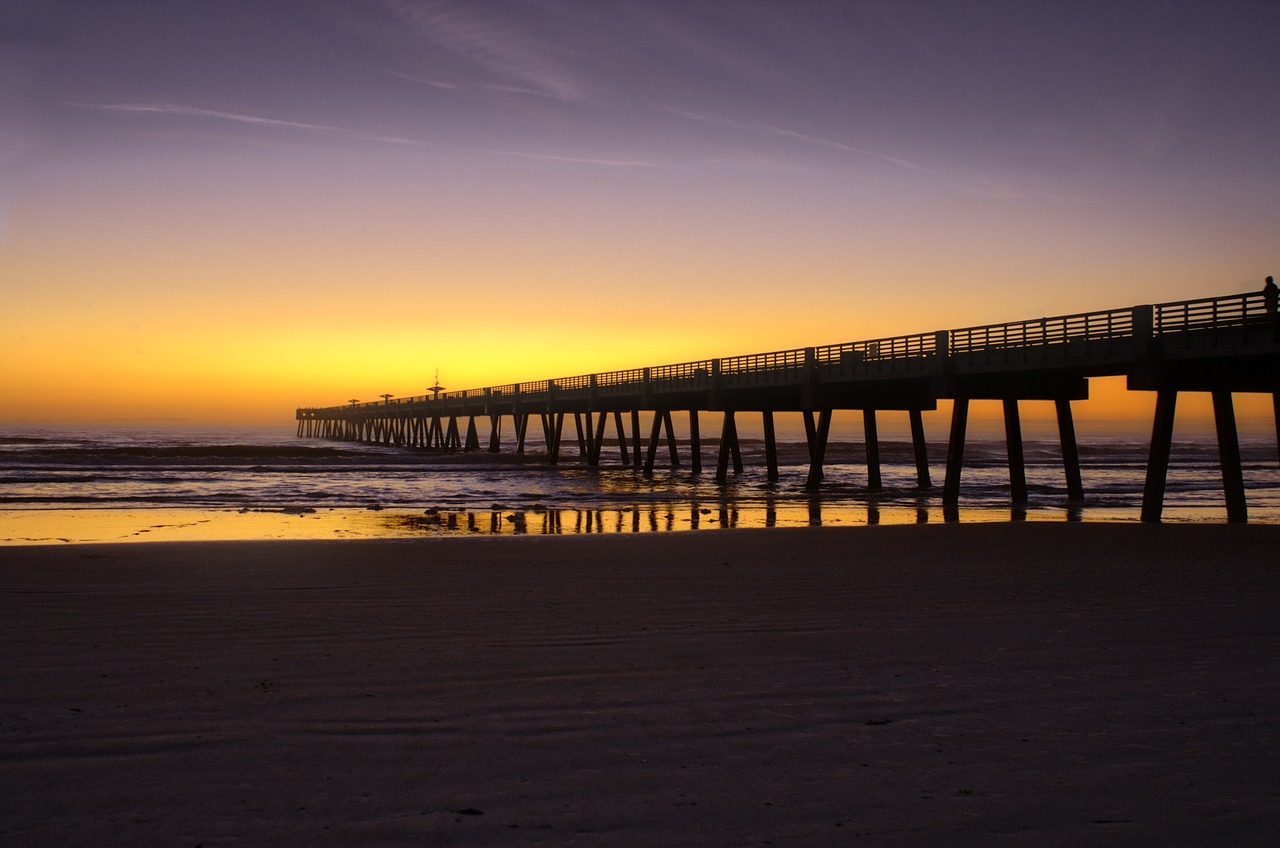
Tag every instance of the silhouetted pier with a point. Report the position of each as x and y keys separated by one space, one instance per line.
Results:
x=1218 y=345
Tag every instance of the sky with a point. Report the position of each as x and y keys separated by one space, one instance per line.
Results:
x=220 y=211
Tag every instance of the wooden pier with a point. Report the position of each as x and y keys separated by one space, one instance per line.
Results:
x=1218 y=345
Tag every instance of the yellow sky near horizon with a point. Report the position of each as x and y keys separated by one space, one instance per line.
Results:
x=107 y=329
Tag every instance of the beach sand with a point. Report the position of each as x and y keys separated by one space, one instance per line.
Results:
x=998 y=684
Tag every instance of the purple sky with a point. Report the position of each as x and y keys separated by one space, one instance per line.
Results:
x=1014 y=95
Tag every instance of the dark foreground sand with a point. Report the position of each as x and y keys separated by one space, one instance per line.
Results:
x=1028 y=684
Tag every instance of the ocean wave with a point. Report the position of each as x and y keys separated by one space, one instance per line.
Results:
x=99 y=469
x=97 y=456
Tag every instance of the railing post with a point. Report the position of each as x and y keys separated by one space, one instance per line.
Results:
x=809 y=389
x=713 y=391
x=942 y=350
x=1143 y=332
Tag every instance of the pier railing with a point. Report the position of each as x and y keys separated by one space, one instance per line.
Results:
x=779 y=367
x=894 y=356
x=894 y=347
x=1210 y=313
x=1084 y=326
x=682 y=376
x=620 y=382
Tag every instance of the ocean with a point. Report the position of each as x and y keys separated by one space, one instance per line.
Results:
x=106 y=484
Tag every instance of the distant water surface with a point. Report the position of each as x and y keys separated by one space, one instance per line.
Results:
x=123 y=484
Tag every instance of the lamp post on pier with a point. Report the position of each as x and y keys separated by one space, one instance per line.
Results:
x=350 y=429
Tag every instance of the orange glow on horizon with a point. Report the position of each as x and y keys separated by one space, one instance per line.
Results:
x=181 y=330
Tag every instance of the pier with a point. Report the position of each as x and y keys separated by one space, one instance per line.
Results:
x=1218 y=345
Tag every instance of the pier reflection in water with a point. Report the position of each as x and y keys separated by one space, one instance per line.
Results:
x=666 y=518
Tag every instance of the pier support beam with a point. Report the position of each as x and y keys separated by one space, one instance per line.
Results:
x=818 y=449
x=522 y=427
x=552 y=429
x=921 y=449
x=597 y=437
x=955 y=452
x=1224 y=418
x=656 y=433
x=871 y=437
x=1070 y=452
x=770 y=446
x=728 y=448
x=671 y=439
x=695 y=443
x=1158 y=459
x=495 y=433
x=810 y=432
x=622 y=438
x=1013 y=441
x=584 y=448
x=1275 y=405
x=635 y=436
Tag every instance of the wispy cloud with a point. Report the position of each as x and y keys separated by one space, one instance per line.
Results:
x=987 y=189
x=1006 y=191
x=181 y=110
x=516 y=89
x=423 y=80
x=753 y=162
x=780 y=132
x=487 y=86
x=582 y=160
x=516 y=55
x=836 y=145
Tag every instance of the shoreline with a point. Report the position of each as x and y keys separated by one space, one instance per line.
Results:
x=948 y=684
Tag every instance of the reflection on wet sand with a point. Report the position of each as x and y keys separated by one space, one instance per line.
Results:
x=668 y=517
x=58 y=526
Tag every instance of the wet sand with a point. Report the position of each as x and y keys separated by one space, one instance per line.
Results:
x=1006 y=684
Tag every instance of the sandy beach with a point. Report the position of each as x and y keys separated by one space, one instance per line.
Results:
x=993 y=684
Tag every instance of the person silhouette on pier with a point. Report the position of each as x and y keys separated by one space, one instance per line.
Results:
x=1271 y=297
